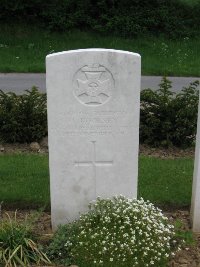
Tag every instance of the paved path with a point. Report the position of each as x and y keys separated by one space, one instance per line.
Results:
x=18 y=82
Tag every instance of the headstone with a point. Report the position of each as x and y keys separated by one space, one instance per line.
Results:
x=93 y=126
x=195 y=205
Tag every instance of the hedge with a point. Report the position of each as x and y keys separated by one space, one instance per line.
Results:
x=166 y=118
x=126 y=18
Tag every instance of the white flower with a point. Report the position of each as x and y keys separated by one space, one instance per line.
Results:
x=125 y=227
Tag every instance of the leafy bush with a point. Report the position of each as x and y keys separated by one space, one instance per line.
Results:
x=57 y=250
x=167 y=119
x=124 y=17
x=23 y=118
x=17 y=247
x=186 y=237
x=118 y=231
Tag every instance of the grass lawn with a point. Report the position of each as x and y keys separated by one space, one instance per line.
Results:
x=24 y=180
x=166 y=181
x=23 y=49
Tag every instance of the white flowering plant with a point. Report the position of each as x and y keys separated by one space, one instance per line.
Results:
x=121 y=232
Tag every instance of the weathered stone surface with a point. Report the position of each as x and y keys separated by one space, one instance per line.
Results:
x=195 y=205
x=93 y=120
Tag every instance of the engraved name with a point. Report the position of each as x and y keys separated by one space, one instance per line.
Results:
x=96 y=123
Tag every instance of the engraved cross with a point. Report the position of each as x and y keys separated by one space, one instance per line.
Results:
x=95 y=163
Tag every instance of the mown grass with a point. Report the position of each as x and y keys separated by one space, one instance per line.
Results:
x=24 y=180
x=23 y=49
x=166 y=182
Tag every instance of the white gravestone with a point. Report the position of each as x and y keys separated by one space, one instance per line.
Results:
x=93 y=125
x=195 y=205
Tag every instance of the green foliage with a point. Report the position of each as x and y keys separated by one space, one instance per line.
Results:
x=124 y=17
x=21 y=42
x=57 y=251
x=17 y=247
x=166 y=119
x=23 y=118
x=183 y=237
x=116 y=232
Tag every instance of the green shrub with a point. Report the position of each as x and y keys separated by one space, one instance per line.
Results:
x=186 y=237
x=167 y=119
x=23 y=118
x=116 y=232
x=57 y=250
x=123 y=17
x=17 y=245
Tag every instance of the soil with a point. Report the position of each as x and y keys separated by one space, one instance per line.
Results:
x=42 y=148
x=170 y=153
x=187 y=257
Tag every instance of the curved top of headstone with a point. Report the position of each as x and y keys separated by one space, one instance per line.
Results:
x=92 y=73
x=92 y=50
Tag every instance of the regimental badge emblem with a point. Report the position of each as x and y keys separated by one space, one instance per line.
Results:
x=93 y=85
